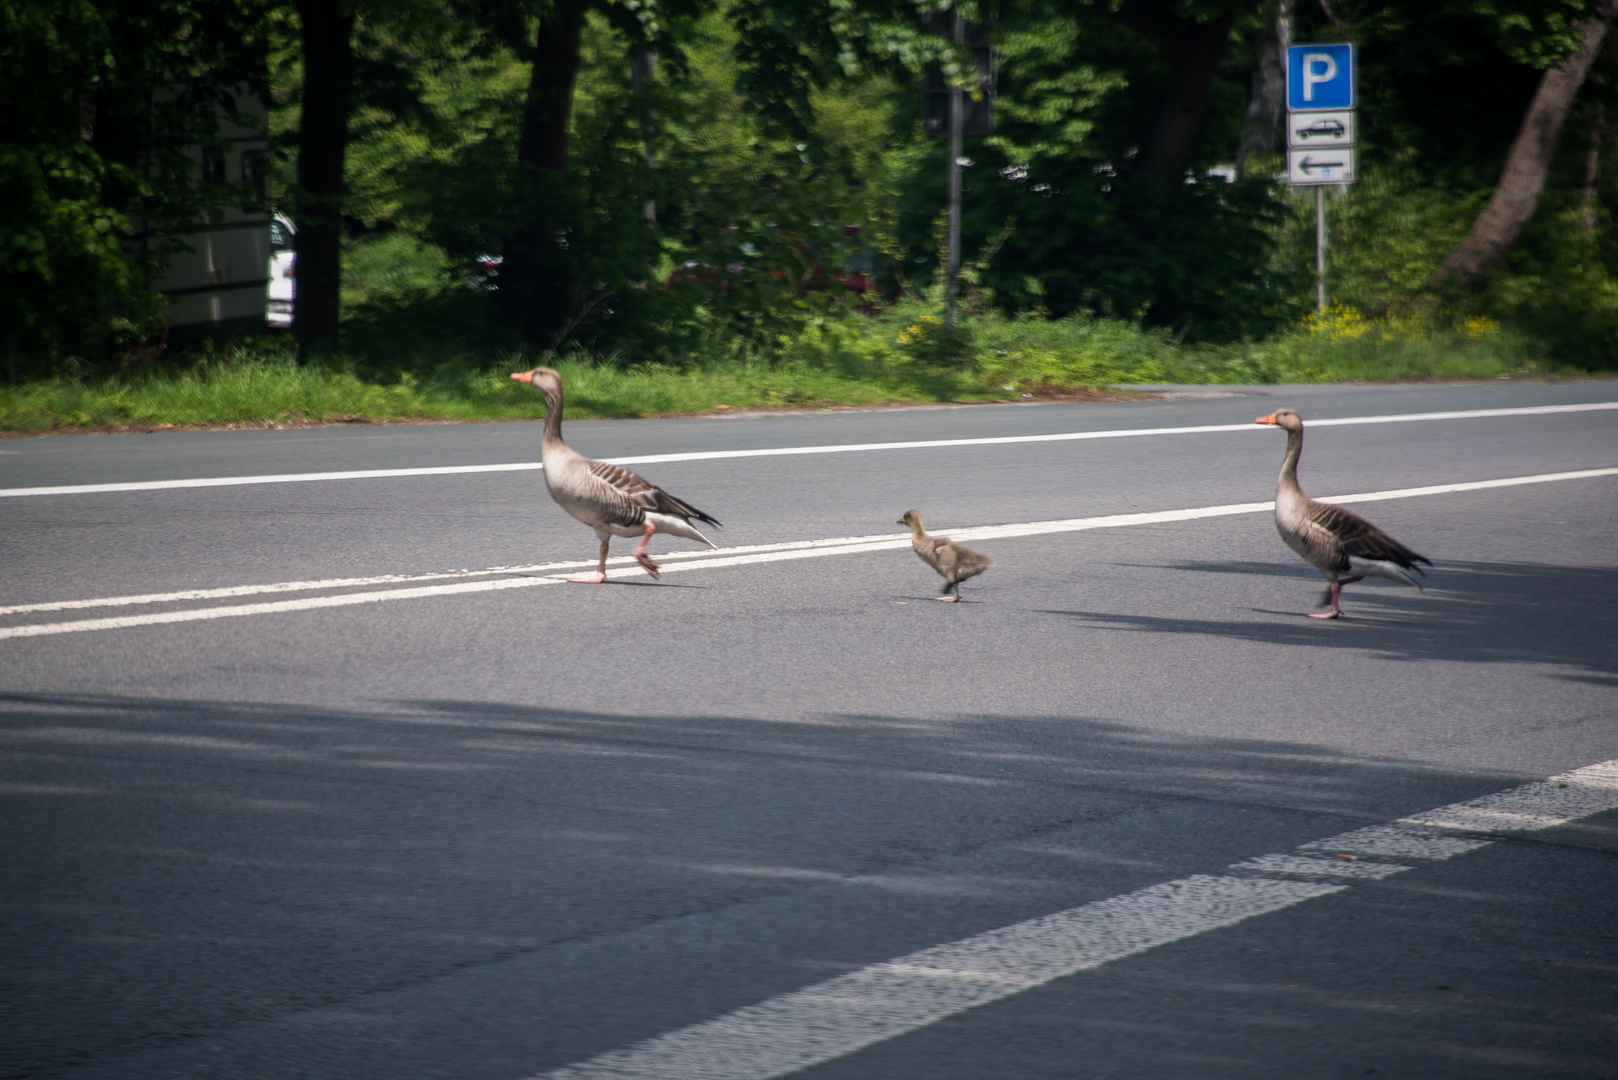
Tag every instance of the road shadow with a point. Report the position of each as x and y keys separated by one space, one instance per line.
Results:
x=1470 y=612
x=178 y=868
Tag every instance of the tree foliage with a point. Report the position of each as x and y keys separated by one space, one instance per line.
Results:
x=103 y=104
x=778 y=143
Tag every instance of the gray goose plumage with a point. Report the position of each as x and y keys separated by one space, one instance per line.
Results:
x=952 y=561
x=1334 y=541
x=609 y=498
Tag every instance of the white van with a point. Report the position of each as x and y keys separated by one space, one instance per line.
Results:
x=283 y=274
x=223 y=282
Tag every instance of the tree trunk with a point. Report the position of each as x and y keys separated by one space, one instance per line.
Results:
x=1193 y=51
x=328 y=70
x=1516 y=196
x=1591 y=210
x=1266 y=101
x=536 y=288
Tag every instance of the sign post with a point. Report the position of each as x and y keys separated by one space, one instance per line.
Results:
x=948 y=110
x=957 y=128
x=1321 y=131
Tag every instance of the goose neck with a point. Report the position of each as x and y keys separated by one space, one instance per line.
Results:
x=1289 y=465
x=553 y=417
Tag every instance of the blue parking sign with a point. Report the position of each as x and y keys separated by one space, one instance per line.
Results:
x=1320 y=77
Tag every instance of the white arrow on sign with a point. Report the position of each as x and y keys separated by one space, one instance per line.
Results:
x=1321 y=129
x=1325 y=165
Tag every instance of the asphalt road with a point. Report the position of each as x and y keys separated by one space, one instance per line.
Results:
x=483 y=835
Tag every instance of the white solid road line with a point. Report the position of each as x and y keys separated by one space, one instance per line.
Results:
x=832 y=1019
x=785 y=451
x=232 y=591
x=989 y=532
x=539 y=574
x=273 y=607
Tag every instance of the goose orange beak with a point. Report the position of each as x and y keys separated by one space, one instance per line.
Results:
x=523 y=377
x=1270 y=419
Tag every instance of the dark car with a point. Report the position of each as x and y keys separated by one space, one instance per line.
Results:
x=1330 y=128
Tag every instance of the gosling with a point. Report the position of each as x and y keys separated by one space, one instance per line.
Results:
x=954 y=562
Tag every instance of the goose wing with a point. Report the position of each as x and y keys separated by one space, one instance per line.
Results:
x=635 y=493
x=1354 y=537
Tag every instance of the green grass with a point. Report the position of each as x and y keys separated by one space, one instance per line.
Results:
x=905 y=354
x=255 y=383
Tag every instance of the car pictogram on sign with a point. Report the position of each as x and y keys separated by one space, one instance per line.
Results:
x=1332 y=129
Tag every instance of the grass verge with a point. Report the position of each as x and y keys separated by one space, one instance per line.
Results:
x=904 y=354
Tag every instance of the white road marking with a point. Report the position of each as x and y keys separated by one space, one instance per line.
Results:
x=835 y=1018
x=1394 y=842
x=785 y=451
x=273 y=607
x=840 y=1016
x=695 y=560
x=232 y=591
x=1315 y=866
x=988 y=532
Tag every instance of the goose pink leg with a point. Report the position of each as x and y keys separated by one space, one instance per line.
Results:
x=1336 y=612
x=646 y=561
x=601 y=568
x=1336 y=590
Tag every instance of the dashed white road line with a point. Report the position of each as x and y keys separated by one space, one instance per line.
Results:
x=540 y=574
x=840 y=1016
x=784 y=451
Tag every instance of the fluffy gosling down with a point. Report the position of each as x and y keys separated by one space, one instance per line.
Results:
x=952 y=561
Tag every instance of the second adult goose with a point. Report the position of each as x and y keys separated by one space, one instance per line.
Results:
x=609 y=498
x=1335 y=541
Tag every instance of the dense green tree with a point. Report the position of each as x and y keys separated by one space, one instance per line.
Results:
x=102 y=106
x=1516 y=196
x=353 y=55
x=1445 y=90
x=1096 y=115
x=552 y=278
x=778 y=146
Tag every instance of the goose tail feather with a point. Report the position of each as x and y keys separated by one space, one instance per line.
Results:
x=1392 y=571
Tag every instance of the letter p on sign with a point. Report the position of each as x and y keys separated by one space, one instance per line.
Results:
x=1317 y=68
x=1320 y=77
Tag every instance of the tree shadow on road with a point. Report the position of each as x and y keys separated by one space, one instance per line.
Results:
x=178 y=868
x=1471 y=612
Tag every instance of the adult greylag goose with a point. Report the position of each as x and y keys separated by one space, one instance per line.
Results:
x=609 y=498
x=952 y=561
x=1334 y=541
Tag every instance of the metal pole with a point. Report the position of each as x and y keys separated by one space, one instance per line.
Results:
x=957 y=121
x=1320 y=247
